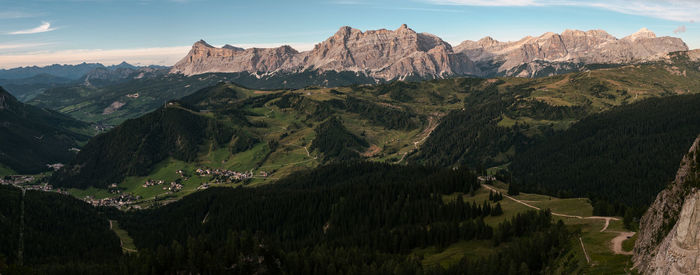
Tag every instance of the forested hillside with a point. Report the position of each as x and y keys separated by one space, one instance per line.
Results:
x=351 y=218
x=33 y=137
x=621 y=157
x=52 y=232
x=270 y=134
x=136 y=145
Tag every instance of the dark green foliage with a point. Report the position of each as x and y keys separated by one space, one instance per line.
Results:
x=346 y=217
x=473 y=137
x=624 y=156
x=214 y=97
x=495 y=196
x=58 y=229
x=386 y=116
x=314 y=110
x=349 y=218
x=531 y=255
x=31 y=137
x=337 y=143
x=171 y=131
x=155 y=91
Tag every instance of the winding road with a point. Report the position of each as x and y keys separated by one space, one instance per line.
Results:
x=616 y=243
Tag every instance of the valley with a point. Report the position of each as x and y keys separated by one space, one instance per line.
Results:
x=304 y=149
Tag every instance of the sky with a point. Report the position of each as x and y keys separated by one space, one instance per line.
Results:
x=144 y=32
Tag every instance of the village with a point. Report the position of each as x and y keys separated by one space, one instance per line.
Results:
x=123 y=200
x=129 y=200
x=29 y=183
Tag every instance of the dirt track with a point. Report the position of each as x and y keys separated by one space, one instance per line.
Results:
x=616 y=243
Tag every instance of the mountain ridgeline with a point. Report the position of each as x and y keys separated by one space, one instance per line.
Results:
x=403 y=53
x=171 y=131
x=520 y=123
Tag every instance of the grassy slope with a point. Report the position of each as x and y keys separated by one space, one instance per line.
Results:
x=637 y=82
x=597 y=243
x=430 y=100
x=127 y=242
x=5 y=171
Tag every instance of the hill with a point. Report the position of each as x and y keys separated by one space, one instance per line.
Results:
x=115 y=101
x=626 y=155
x=275 y=133
x=25 y=89
x=33 y=137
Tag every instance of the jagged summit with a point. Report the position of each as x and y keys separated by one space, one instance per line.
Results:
x=230 y=47
x=391 y=54
x=202 y=43
x=642 y=33
x=571 y=46
x=383 y=54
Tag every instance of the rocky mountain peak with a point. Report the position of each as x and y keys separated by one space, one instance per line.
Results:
x=550 y=50
x=404 y=29
x=383 y=54
x=201 y=43
x=642 y=33
x=230 y=47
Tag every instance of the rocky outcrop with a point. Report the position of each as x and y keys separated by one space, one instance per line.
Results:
x=550 y=50
x=382 y=54
x=669 y=235
x=387 y=55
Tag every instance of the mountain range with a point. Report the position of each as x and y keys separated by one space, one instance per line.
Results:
x=402 y=53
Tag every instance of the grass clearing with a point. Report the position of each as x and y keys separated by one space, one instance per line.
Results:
x=6 y=171
x=127 y=242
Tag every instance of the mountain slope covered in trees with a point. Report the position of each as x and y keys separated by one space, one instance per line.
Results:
x=626 y=155
x=33 y=137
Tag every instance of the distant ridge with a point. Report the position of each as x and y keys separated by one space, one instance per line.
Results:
x=401 y=53
x=551 y=51
x=382 y=54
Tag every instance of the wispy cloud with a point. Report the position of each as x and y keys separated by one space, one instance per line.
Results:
x=22 y=46
x=15 y=15
x=680 y=29
x=675 y=10
x=44 y=27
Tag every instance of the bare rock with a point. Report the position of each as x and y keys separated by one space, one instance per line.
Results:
x=571 y=46
x=669 y=234
x=383 y=54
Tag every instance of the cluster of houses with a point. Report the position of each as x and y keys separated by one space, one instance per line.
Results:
x=55 y=166
x=486 y=179
x=16 y=180
x=224 y=175
x=27 y=183
x=172 y=187
x=118 y=201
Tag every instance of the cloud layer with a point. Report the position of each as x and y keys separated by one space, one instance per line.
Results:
x=676 y=10
x=44 y=27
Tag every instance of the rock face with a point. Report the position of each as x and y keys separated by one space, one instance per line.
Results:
x=669 y=235
x=387 y=55
x=565 y=51
x=382 y=54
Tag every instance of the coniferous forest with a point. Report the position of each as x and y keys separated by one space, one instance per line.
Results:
x=350 y=218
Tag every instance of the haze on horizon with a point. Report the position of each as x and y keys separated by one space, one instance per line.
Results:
x=160 y=32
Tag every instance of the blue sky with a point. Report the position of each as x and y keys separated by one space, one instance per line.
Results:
x=40 y=32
